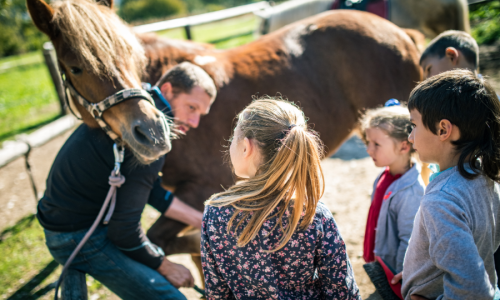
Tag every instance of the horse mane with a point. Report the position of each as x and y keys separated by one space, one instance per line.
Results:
x=104 y=44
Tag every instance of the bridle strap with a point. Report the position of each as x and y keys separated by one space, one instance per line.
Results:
x=96 y=109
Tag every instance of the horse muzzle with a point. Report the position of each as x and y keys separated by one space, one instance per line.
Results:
x=148 y=139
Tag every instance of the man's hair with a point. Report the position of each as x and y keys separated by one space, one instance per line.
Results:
x=471 y=104
x=460 y=40
x=185 y=76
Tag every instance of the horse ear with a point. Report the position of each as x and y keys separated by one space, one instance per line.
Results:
x=41 y=14
x=108 y=3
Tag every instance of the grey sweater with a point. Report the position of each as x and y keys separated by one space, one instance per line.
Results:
x=395 y=221
x=450 y=254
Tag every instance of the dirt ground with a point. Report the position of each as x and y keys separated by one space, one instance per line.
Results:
x=348 y=175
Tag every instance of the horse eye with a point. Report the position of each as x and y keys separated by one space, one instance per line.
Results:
x=75 y=70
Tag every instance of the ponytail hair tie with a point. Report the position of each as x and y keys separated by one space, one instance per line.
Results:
x=291 y=126
x=392 y=102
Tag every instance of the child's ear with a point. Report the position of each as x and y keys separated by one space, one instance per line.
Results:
x=452 y=54
x=247 y=147
x=405 y=147
x=445 y=130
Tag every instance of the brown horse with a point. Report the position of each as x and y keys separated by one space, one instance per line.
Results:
x=333 y=65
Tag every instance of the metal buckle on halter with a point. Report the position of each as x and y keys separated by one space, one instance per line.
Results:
x=94 y=111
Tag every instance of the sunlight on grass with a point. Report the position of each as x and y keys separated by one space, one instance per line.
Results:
x=24 y=255
x=27 y=98
x=218 y=31
x=32 y=57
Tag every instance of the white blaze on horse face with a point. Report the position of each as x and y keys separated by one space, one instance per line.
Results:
x=203 y=60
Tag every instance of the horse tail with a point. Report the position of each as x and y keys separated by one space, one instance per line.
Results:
x=463 y=16
x=417 y=37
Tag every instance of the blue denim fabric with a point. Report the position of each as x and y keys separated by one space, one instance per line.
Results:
x=101 y=259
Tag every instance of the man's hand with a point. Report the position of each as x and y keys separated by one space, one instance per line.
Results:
x=397 y=278
x=176 y=274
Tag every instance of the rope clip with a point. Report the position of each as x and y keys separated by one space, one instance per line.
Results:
x=119 y=152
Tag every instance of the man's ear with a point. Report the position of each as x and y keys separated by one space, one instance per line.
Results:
x=446 y=130
x=453 y=55
x=167 y=91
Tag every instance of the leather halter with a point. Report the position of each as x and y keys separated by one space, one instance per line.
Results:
x=96 y=109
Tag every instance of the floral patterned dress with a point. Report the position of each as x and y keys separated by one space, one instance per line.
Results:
x=312 y=265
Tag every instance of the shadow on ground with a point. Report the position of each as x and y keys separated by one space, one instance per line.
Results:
x=25 y=292
x=351 y=149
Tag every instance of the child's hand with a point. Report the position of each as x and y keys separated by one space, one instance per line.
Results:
x=397 y=278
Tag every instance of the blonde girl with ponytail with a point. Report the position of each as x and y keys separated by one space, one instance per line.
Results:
x=268 y=236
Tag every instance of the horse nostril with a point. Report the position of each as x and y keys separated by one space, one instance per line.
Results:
x=142 y=134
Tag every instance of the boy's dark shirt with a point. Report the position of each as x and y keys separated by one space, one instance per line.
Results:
x=77 y=186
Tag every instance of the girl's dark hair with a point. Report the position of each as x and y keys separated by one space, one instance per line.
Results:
x=471 y=104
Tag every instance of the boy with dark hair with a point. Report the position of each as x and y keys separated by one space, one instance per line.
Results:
x=456 y=124
x=450 y=50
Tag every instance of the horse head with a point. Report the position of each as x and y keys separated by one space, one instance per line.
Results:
x=100 y=56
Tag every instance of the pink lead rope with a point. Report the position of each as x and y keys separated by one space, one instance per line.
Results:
x=115 y=181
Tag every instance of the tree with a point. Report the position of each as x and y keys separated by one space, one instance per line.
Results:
x=18 y=34
x=140 y=10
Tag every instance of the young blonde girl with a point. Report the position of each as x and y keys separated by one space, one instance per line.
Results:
x=397 y=190
x=268 y=236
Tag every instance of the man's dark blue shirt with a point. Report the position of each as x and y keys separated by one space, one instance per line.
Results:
x=77 y=186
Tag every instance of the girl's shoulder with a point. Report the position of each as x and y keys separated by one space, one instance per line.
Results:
x=323 y=220
x=218 y=211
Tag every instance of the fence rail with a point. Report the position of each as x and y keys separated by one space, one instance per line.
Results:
x=210 y=17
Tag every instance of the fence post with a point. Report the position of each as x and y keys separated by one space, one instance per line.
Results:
x=51 y=62
x=187 y=28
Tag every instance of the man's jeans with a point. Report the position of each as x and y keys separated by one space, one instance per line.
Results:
x=101 y=259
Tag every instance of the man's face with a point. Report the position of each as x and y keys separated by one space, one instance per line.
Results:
x=187 y=108
x=425 y=142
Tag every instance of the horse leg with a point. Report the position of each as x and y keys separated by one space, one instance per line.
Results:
x=197 y=261
x=163 y=231
x=186 y=244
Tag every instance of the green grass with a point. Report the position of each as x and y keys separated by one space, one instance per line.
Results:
x=215 y=31
x=24 y=255
x=27 y=99
x=32 y=57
